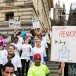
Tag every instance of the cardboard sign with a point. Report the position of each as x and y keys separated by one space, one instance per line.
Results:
x=36 y=23
x=14 y=23
x=63 y=44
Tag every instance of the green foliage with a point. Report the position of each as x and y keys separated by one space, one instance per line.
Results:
x=57 y=23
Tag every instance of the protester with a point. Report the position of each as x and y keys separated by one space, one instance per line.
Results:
x=2 y=40
x=46 y=39
x=13 y=58
x=25 y=56
x=40 y=50
x=34 y=40
x=38 y=69
x=68 y=69
x=44 y=44
x=14 y=34
x=17 y=46
x=29 y=35
x=38 y=32
x=32 y=31
x=20 y=39
x=23 y=33
x=8 y=70
x=21 y=54
x=3 y=53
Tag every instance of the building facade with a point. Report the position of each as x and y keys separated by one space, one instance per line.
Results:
x=59 y=12
x=25 y=11
x=72 y=15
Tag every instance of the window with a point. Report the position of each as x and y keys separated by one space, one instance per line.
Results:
x=74 y=14
x=9 y=15
x=63 y=12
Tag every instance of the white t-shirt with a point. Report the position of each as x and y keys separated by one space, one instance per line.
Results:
x=18 y=47
x=44 y=44
x=26 y=49
x=20 y=40
x=3 y=53
x=40 y=50
x=46 y=38
x=16 y=61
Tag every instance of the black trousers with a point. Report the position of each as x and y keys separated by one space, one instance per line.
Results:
x=47 y=52
x=0 y=69
x=23 y=61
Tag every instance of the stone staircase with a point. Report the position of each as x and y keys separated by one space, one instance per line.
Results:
x=22 y=10
x=53 y=66
x=5 y=29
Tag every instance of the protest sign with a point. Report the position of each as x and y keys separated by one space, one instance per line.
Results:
x=63 y=46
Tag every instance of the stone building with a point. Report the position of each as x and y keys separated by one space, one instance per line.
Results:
x=24 y=11
x=72 y=15
x=59 y=12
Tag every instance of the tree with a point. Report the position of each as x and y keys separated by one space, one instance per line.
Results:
x=58 y=22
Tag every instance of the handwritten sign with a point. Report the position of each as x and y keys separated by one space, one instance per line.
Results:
x=63 y=44
x=36 y=23
x=14 y=23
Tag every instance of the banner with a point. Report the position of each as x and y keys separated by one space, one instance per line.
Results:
x=63 y=44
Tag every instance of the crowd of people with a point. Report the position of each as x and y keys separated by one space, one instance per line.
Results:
x=27 y=53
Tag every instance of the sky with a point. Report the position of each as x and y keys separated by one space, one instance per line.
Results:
x=67 y=5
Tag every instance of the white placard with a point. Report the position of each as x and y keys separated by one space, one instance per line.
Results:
x=14 y=23
x=36 y=23
x=63 y=44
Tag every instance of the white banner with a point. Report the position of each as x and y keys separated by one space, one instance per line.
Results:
x=63 y=44
x=14 y=23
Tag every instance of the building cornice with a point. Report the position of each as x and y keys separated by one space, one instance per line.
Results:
x=15 y=4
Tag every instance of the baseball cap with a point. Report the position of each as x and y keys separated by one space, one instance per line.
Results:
x=37 y=55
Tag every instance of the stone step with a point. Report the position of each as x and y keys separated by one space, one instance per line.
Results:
x=10 y=28
x=52 y=62
x=23 y=23
x=50 y=65
x=53 y=71
x=9 y=31
x=53 y=66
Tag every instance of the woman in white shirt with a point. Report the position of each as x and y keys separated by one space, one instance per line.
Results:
x=3 y=53
x=20 y=39
x=25 y=56
x=13 y=58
